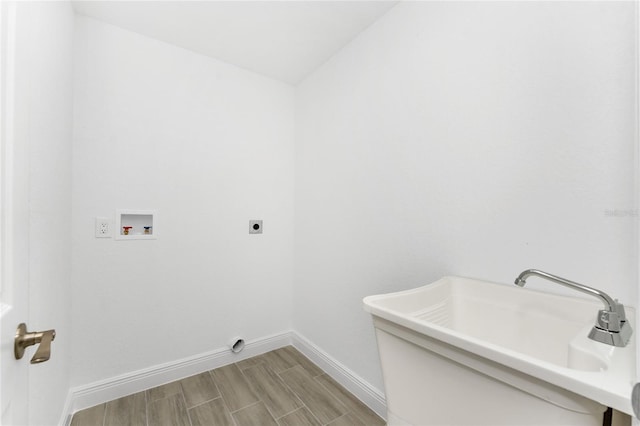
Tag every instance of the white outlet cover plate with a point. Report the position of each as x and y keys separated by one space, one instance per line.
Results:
x=103 y=228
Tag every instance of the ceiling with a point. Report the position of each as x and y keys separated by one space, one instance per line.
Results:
x=285 y=40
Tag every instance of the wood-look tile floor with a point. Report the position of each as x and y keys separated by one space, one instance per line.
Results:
x=280 y=388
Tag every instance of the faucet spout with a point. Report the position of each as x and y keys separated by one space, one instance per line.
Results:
x=611 y=323
x=609 y=303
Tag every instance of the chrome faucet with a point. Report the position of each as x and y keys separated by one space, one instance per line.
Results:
x=611 y=324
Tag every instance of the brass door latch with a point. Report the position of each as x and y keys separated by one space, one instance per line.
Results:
x=25 y=339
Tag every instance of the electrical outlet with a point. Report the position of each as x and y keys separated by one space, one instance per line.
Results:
x=103 y=229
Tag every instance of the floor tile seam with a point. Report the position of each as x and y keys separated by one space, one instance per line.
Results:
x=167 y=397
x=334 y=396
x=146 y=408
x=244 y=406
x=204 y=402
x=273 y=417
x=224 y=401
x=104 y=414
x=226 y=406
x=257 y=394
x=322 y=372
x=247 y=406
x=330 y=394
x=287 y=369
x=244 y=368
x=170 y=396
x=283 y=383
x=298 y=396
x=339 y=398
x=344 y=415
x=304 y=369
x=293 y=392
x=184 y=396
x=246 y=381
x=286 y=414
x=184 y=399
x=129 y=407
x=308 y=360
x=153 y=401
x=304 y=406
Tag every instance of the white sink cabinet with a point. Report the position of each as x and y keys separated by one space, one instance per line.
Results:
x=461 y=351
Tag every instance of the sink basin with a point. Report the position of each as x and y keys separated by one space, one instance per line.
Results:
x=540 y=334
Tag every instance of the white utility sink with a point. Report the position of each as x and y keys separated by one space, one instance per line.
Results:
x=541 y=335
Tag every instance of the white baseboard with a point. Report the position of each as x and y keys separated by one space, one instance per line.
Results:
x=116 y=387
x=102 y=391
x=360 y=388
x=67 y=411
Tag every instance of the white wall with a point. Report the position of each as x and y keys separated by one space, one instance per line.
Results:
x=473 y=139
x=47 y=40
x=209 y=146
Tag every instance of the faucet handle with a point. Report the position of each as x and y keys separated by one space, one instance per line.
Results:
x=619 y=308
x=608 y=320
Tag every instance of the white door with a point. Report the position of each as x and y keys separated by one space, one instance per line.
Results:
x=14 y=222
